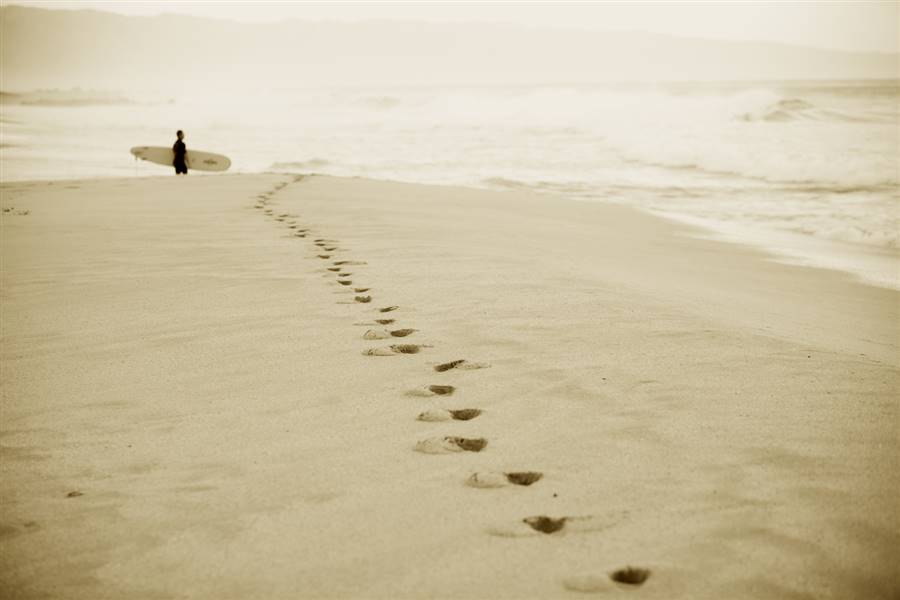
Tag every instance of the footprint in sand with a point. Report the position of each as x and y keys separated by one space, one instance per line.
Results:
x=388 y=309
x=447 y=366
x=395 y=349
x=344 y=274
x=378 y=352
x=440 y=414
x=323 y=256
x=407 y=348
x=361 y=290
x=555 y=525
x=349 y=262
x=432 y=390
x=629 y=577
x=450 y=444
x=385 y=334
x=402 y=332
x=498 y=479
x=460 y=364
x=334 y=269
x=384 y=321
x=345 y=282
x=363 y=299
x=372 y=334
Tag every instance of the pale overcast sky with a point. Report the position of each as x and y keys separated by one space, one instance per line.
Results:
x=855 y=25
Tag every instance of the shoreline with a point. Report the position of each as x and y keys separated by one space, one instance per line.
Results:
x=868 y=264
x=177 y=353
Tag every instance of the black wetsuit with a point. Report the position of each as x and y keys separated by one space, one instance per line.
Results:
x=180 y=151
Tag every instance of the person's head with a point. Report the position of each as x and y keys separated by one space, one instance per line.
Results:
x=180 y=134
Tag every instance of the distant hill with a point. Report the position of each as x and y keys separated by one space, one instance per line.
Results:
x=66 y=49
x=76 y=97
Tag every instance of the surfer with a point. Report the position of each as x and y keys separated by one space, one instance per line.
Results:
x=180 y=152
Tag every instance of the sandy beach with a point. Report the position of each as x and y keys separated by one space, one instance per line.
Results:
x=210 y=390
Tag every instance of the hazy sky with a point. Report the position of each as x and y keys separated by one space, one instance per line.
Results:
x=854 y=25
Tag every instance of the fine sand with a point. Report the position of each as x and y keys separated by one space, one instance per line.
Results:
x=199 y=402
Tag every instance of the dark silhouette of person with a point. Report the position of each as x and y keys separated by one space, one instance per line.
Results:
x=180 y=151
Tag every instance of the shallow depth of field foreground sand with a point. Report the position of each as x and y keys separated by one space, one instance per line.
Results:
x=189 y=410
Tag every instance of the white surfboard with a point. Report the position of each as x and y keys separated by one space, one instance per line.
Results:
x=195 y=159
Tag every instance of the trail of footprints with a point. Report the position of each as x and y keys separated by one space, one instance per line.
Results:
x=386 y=328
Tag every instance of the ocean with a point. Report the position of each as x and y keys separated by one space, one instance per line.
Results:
x=806 y=170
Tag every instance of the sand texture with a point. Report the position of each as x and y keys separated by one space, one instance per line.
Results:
x=268 y=386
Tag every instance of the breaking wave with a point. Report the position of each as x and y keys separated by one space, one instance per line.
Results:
x=796 y=109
